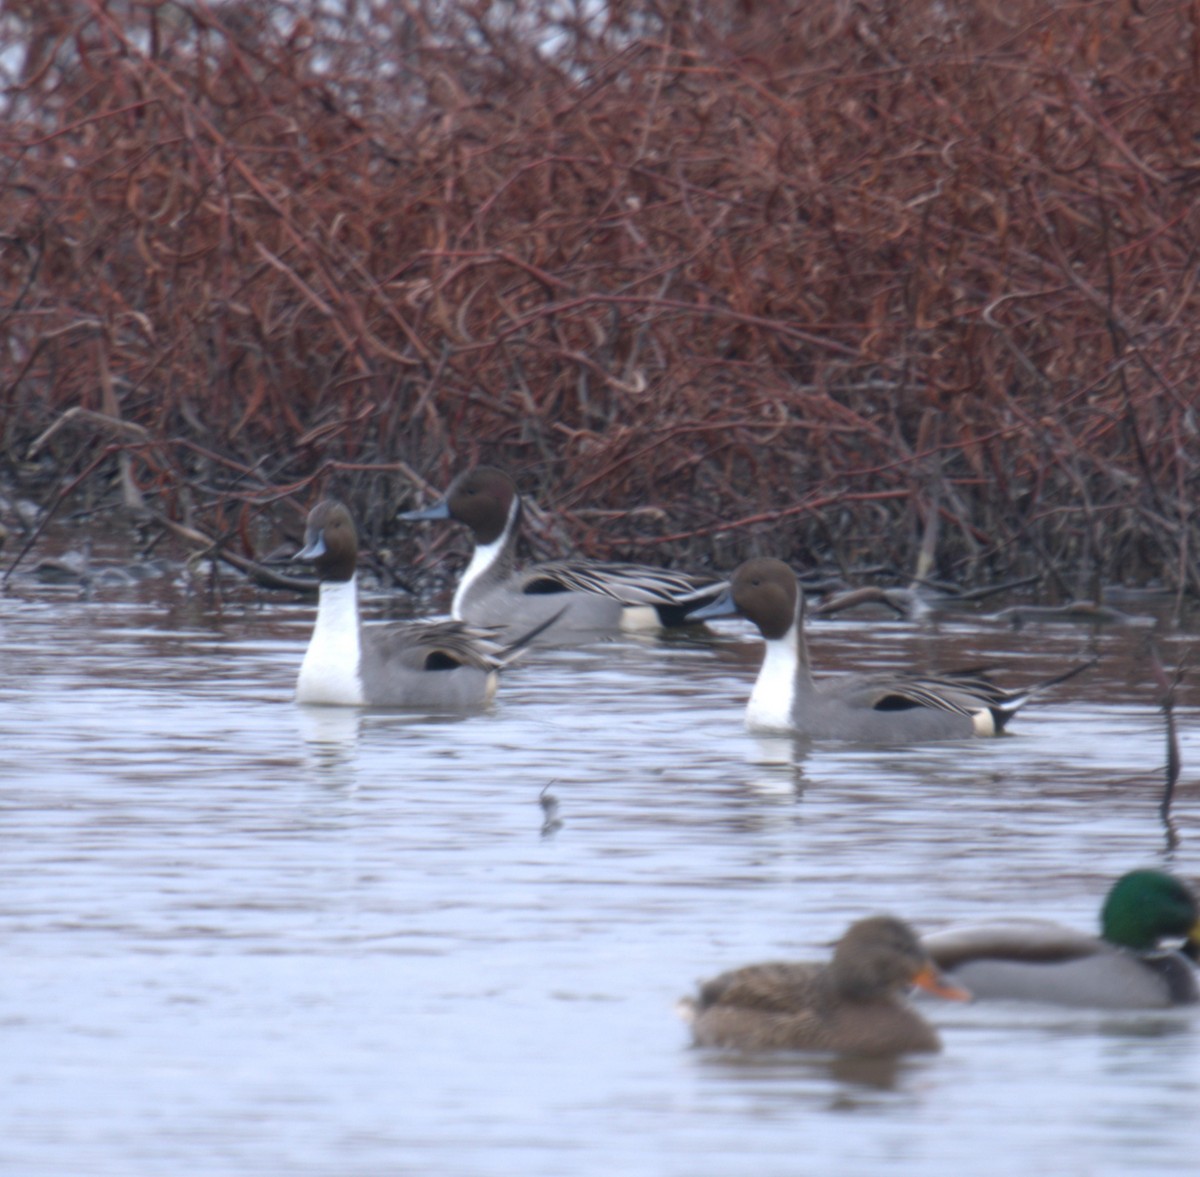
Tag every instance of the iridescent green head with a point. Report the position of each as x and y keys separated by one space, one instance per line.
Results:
x=1144 y=906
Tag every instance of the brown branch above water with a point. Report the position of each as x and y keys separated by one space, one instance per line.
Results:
x=770 y=278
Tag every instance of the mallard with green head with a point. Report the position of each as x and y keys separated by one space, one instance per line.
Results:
x=1125 y=967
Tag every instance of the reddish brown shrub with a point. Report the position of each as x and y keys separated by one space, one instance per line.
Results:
x=797 y=274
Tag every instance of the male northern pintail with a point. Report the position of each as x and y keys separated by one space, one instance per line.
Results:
x=891 y=708
x=1123 y=968
x=852 y=1005
x=407 y=664
x=493 y=591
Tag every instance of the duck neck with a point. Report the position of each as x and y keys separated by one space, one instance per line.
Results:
x=330 y=672
x=784 y=679
x=803 y=671
x=491 y=563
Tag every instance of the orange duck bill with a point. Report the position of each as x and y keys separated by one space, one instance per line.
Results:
x=933 y=982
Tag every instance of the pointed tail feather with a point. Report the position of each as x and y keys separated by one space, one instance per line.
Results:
x=1066 y=674
x=1005 y=709
x=516 y=648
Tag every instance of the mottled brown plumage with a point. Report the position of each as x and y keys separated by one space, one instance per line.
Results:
x=852 y=1005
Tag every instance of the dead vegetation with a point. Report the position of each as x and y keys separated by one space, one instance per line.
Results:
x=802 y=277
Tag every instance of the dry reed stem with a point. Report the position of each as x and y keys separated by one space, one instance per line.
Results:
x=791 y=274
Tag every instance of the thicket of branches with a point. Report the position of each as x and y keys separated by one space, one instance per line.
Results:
x=799 y=275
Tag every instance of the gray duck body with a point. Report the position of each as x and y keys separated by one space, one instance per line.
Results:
x=1125 y=967
x=444 y=664
x=583 y=596
x=888 y=708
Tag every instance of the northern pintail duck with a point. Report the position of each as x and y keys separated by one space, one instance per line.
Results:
x=888 y=708
x=1123 y=968
x=592 y=596
x=853 y=1005
x=407 y=664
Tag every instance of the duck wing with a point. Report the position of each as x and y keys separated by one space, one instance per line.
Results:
x=966 y=692
x=438 y=645
x=962 y=692
x=1030 y=941
x=631 y=584
x=777 y=987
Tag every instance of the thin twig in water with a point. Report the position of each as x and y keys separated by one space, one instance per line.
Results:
x=1167 y=704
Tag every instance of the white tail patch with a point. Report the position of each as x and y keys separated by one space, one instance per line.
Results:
x=329 y=673
x=640 y=618
x=985 y=722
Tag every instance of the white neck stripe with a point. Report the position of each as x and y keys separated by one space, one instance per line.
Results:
x=483 y=559
x=330 y=672
x=774 y=692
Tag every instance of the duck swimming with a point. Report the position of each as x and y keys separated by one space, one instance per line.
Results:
x=1125 y=967
x=589 y=596
x=886 y=708
x=852 y=1005
x=407 y=664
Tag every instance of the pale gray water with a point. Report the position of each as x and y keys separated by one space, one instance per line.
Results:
x=240 y=937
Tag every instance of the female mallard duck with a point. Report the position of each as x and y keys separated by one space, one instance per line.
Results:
x=407 y=664
x=852 y=1005
x=887 y=708
x=1123 y=968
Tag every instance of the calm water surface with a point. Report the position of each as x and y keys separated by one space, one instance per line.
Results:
x=246 y=937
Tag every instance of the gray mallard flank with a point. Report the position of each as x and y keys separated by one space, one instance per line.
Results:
x=1125 y=967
